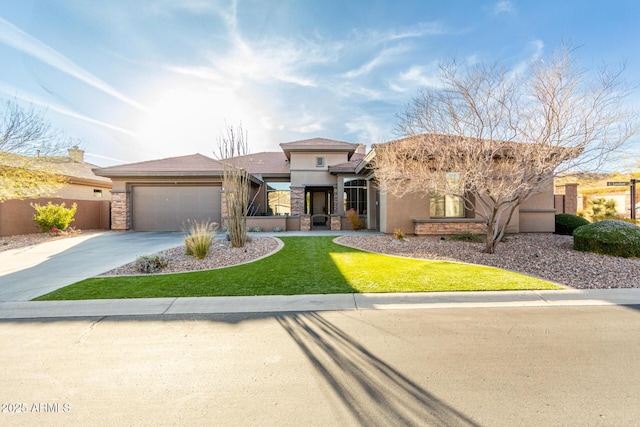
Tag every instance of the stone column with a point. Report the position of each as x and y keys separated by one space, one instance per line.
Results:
x=120 y=210
x=571 y=198
x=305 y=222
x=297 y=200
x=336 y=222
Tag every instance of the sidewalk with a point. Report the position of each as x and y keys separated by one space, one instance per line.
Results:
x=302 y=303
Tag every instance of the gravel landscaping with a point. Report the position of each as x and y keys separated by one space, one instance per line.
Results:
x=221 y=254
x=25 y=240
x=548 y=256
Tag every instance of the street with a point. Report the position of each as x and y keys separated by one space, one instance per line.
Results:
x=460 y=366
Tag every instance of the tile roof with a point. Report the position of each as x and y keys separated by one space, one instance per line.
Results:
x=274 y=162
x=318 y=141
x=355 y=160
x=194 y=163
x=63 y=165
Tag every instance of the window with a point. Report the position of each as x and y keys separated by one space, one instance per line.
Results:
x=278 y=198
x=319 y=162
x=447 y=206
x=355 y=195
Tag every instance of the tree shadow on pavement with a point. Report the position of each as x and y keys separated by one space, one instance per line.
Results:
x=374 y=393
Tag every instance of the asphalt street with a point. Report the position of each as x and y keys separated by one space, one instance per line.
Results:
x=457 y=366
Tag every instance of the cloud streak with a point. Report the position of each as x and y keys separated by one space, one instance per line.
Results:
x=34 y=100
x=16 y=38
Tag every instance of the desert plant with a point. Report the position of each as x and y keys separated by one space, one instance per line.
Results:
x=600 y=209
x=199 y=238
x=249 y=229
x=277 y=229
x=257 y=229
x=467 y=236
x=52 y=216
x=567 y=223
x=609 y=237
x=398 y=233
x=150 y=263
x=354 y=219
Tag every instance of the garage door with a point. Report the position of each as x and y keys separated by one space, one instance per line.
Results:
x=168 y=208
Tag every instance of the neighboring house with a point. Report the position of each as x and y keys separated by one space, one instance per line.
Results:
x=310 y=184
x=90 y=192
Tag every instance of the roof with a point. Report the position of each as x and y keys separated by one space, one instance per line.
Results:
x=274 y=162
x=349 y=166
x=318 y=144
x=192 y=165
x=77 y=172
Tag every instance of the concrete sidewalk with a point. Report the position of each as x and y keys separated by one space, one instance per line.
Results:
x=305 y=303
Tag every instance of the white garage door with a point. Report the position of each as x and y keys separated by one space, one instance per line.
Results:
x=169 y=208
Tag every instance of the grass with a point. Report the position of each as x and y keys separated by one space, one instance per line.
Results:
x=307 y=265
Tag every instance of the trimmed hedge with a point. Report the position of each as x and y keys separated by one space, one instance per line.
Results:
x=609 y=237
x=567 y=223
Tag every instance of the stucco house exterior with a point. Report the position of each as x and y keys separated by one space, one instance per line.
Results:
x=309 y=184
x=90 y=192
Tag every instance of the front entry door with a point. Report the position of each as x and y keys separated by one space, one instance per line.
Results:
x=319 y=207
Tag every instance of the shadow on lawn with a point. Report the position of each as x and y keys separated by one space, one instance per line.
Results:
x=374 y=393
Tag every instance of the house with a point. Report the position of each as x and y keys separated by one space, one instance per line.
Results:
x=309 y=184
x=90 y=192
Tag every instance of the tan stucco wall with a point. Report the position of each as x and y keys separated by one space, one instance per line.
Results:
x=83 y=192
x=400 y=212
x=305 y=172
x=537 y=215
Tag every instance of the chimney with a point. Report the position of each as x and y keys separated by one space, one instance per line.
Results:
x=362 y=149
x=76 y=154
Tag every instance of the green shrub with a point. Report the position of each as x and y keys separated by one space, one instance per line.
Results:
x=566 y=223
x=198 y=241
x=355 y=220
x=54 y=217
x=467 y=236
x=257 y=229
x=150 y=263
x=277 y=229
x=609 y=237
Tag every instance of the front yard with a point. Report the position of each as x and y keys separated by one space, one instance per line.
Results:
x=308 y=265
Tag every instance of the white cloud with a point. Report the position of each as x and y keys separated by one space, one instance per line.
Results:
x=367 y=129
x=416 y=76
x=18 y=39
x=381 y=58
x=505 y=6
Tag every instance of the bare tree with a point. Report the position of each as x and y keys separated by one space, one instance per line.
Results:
x=26 y=143
x=493 y=137
x=232 y=147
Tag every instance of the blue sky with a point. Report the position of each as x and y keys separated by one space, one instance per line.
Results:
x=146 y=79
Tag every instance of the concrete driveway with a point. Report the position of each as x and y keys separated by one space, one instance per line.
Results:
x=32 y=271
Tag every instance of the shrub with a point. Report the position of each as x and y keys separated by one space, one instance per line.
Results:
x=277 y=229
x=398 y=233
x=354 y=220
x=249 y=229
x=467 y=236
x=199 y=238
x=223 y=229
x=600 y=209
x=566 y=223
x=609 y=237
x=150 y=263
x=257 y=229
x=52 y=216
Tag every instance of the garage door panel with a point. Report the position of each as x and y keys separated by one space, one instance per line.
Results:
x=169 y=208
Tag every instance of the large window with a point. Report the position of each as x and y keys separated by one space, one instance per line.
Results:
x=278 y=198
x=355 y=195
x=447 y=206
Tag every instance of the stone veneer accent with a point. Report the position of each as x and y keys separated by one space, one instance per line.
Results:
x=446 y=227
x=120 y=211
x=336 y=222
x=305 y=222
x=297 y=200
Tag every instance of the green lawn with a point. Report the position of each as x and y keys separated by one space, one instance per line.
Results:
x=307 y=265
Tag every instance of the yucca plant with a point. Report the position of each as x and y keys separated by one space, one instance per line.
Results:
x=199 y=238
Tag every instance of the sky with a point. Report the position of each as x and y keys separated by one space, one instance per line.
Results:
x=140 y=80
